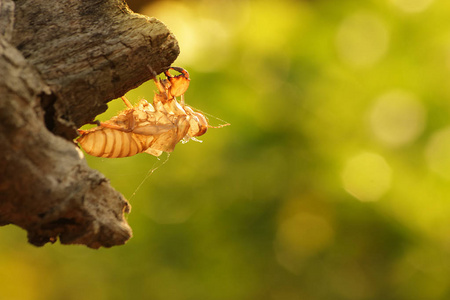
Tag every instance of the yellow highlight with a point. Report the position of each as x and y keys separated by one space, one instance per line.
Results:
x=437 y=153
x=367 y=177
x=362 y=39
x=204 y=42
x=412 y=6
x=397 y=118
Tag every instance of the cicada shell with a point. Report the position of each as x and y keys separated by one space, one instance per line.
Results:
x=145 y=127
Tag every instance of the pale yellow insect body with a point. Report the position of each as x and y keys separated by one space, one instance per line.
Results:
x=145 y=127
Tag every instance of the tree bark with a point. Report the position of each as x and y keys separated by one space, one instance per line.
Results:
x=60 y=63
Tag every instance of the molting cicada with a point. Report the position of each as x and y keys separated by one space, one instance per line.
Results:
x=148 y=128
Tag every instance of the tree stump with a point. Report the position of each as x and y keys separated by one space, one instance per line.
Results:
x=60 y=63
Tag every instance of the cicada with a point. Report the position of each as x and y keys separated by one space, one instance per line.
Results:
x=148 y=128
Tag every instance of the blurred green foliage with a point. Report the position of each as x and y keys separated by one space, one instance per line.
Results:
x=333 y=181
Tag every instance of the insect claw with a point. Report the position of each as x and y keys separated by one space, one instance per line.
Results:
x=182 y=71
x=152 y=72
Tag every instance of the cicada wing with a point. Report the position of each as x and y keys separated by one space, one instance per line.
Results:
x=153 y=129
x=167 y=141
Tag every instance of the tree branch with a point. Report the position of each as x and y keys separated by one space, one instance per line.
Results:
x=61 y=62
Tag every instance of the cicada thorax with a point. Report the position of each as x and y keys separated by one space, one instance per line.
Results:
x=167 y=141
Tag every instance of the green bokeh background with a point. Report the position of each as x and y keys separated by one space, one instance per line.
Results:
x=332 y=182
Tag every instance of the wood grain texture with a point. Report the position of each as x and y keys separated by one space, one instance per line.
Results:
x=60 y=62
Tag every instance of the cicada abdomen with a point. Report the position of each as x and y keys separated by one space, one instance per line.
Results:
x=145 y=127
x=113 y=143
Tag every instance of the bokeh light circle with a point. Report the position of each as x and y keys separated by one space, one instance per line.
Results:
x=300 y=237
x=397 y=118
x=367 y=176
x=412 y=6
x=362 y=39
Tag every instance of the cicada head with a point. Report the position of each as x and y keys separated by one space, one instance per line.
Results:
x=201 y=124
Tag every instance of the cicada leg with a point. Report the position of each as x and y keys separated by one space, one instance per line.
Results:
x=182 y=71
x=152 y=71
x=162 y=87
x=127 y=103
x=159 y=84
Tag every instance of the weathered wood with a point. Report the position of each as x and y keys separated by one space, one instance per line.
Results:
x=60 y=62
